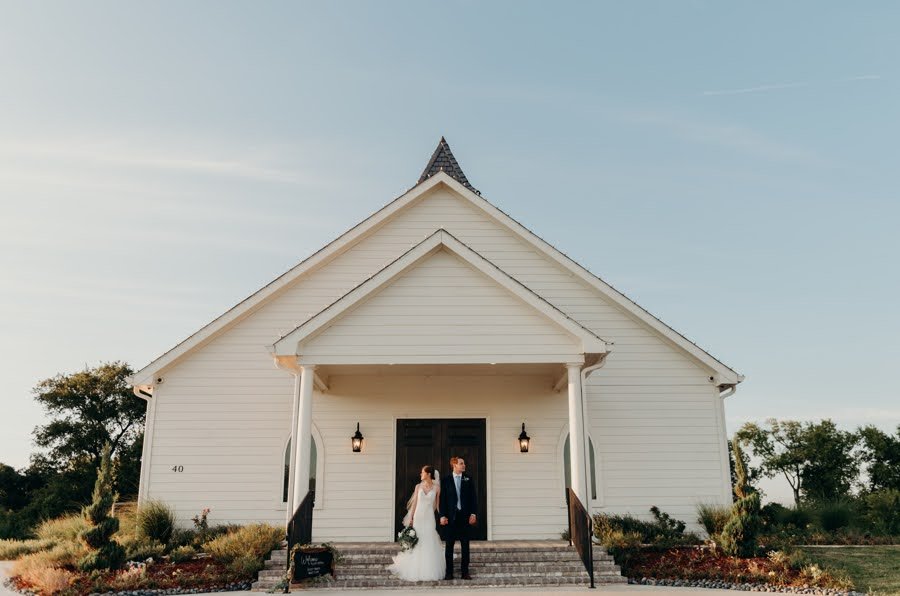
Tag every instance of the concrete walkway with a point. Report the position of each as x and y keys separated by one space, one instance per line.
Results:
x=617 y=590
x=5 y=566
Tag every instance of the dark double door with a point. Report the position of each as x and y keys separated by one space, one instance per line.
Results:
x=433 y=442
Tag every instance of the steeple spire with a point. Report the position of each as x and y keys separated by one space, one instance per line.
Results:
x=442 y=160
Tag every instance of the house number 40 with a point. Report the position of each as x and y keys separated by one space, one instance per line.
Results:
x=178 y=468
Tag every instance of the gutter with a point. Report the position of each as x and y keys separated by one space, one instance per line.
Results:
x=142 y=392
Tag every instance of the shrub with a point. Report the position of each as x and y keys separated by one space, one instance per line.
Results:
x=834 y=516
x=183 y=537
x=883 y=511
x=12 y=525
x=245 y=567
x=739 y=535
x=143 y=549
x=799 y=517
x=155 y=521
x=13 y=549
x=623 y=547
x=105 y=552
x=68 y=527
x=182 y=554
x=257 y=540
x=664 y=531
x=713 y=518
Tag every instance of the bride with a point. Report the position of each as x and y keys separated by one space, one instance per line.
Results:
x=425 y=561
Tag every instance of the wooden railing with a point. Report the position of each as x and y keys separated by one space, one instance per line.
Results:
x=581 y=531
x=299 y=529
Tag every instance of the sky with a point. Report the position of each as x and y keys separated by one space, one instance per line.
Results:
x=731 y=168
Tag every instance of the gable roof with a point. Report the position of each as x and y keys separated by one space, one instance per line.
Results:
x=442 y=160
x=724 y=375
x=287 y=345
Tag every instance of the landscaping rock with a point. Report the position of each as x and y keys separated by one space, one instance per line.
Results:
x=723 y=585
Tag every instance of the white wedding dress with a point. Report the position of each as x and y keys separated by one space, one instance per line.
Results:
x=425 y=561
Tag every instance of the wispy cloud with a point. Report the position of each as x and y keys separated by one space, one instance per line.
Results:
x=757 y=89
x=169 y=155
x=792 y=85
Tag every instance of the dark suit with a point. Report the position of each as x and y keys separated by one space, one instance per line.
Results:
x=457 y=512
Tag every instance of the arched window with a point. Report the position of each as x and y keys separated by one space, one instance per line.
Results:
x=567 y=466
x=313 y=458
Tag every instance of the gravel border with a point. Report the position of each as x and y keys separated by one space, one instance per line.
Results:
x=232 y=587
x=748 y=587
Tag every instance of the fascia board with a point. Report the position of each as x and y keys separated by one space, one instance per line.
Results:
x=148 y=373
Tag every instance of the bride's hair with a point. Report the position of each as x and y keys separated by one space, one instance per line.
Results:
x=428 y=470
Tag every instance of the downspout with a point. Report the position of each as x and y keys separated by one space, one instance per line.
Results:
x=585 y=372
x=145 y=392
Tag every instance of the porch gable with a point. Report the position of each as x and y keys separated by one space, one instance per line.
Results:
x=440 y=302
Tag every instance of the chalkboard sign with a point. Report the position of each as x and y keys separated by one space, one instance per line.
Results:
x=313 y=563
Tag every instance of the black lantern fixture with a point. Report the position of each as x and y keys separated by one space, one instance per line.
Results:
x=356 y=440
x=524 y=440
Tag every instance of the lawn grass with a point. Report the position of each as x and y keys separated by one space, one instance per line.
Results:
x=873 y=569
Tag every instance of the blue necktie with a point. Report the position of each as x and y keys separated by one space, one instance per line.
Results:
x=457 y=480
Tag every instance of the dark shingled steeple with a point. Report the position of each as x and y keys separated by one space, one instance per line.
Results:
x=442 y=160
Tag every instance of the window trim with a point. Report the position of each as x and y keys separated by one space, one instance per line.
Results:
x=597 y=501
x=319 y=502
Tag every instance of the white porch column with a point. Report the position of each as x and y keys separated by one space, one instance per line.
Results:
x=576 y=435
x=303 y=434
x=292 y=457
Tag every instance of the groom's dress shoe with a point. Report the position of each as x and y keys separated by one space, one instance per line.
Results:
x=448 y=576
x=466 y=576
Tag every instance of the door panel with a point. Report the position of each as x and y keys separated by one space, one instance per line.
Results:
x=434 y=441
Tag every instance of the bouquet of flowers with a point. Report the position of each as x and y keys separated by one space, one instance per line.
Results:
x=407 y=538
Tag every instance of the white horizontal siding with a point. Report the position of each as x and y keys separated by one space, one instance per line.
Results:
x=225 y=402
x=442 y=307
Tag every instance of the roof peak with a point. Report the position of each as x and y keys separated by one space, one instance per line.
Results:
x=443 y=160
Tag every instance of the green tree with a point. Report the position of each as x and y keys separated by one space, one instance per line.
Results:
x=105 y=553
x=741 y=529
x=879 y=453
x=87 y=410
x=815 y=458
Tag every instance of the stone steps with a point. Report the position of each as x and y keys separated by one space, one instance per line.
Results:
x=494 y=564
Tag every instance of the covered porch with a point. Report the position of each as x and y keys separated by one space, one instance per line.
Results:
x=440 y=335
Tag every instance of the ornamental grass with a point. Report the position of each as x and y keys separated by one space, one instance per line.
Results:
x=257 y=540
x=13 y=549
x=68 y=527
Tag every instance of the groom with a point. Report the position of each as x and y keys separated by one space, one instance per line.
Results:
x=457 y=509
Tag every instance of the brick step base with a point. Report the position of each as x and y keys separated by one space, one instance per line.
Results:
x=494 y=564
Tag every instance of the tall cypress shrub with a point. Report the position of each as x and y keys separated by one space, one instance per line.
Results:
x=105 y=552
x=741 y=529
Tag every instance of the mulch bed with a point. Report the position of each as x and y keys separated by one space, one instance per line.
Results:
x=707 y=564
x=164 y=577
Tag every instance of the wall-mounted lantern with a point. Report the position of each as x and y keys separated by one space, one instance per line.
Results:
x=524 y=440
x=356 y=440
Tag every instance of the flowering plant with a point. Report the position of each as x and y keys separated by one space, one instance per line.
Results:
x=407 y=538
